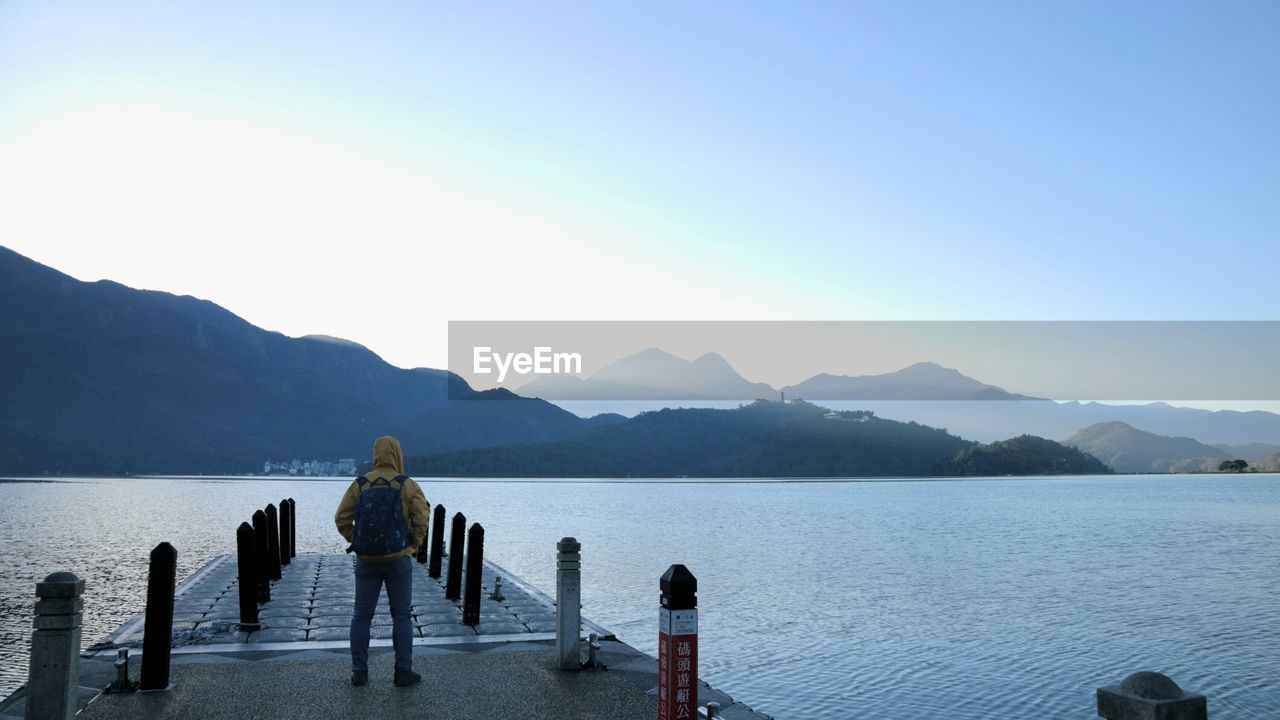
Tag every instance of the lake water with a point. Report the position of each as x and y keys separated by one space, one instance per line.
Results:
x=907 y=599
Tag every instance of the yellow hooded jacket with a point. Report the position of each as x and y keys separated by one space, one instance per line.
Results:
x=388 y=462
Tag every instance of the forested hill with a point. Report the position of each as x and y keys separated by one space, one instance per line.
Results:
x=1023 y=455
x=764 y=439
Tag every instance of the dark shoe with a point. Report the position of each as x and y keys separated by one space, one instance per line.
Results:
x=405 y=679
x=359 y=678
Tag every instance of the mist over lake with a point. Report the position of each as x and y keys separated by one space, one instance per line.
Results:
x=905 y=599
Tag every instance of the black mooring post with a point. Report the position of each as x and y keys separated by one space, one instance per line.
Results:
x=437 y=542
x=475 y=572
x=453 y=586
x=293 y=528
x=284 y=532
x=157 y=630
x=261 y=550
x=273 y=543
x=247 y=576
x=424 y=549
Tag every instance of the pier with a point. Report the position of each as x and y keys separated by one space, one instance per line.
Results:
x=216 y=647
x=501 y=659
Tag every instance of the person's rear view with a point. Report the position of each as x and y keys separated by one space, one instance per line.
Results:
x=384 y=516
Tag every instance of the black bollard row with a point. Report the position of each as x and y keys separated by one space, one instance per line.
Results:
x=475 y=573
x=453 y=586
x=273 y=543
x=284 y=532
x=247 y=576
x=261 y=553
x=157 y=631
x=437 y=542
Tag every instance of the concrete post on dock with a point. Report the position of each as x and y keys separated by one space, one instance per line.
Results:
x=1150 y=696
x=54 y=671
x=568 y=603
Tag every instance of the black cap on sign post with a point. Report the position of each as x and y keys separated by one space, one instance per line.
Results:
x=679 y=588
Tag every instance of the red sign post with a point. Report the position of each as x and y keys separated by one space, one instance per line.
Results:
x=678 y=645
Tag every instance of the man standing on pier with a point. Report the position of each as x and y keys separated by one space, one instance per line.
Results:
x=384 y=517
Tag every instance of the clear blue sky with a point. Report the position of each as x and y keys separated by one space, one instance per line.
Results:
x=1086 y=160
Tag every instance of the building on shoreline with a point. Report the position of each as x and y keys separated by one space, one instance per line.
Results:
x=309 y=468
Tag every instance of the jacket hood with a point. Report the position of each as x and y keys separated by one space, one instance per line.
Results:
x=387 y=454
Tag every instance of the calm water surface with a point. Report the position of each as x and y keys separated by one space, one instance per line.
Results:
x=964 y=599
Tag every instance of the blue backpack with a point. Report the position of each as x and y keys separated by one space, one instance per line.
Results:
x=380 y=528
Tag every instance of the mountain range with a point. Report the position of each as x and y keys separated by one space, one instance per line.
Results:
x=654 y=374
x=925 y=392
x=102 y=378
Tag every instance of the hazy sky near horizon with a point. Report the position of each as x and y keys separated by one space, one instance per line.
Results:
x=374 y=171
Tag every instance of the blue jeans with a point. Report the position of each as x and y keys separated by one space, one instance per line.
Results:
x=398 y=576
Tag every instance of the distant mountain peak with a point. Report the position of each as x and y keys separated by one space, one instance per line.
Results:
x=653 y=374
x=653 y=352
x=1114 y=425
x=711 y=359
x=334 y=340
x=1129 y=449
x=930 y=369
x=924 y=380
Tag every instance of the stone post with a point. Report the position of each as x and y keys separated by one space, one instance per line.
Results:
x=475 y=573
x=568 y=603
x=1150 y=696
x=453 y=586
x=273 y=543
x=437 y=542
x=54 y=671
x=157 y=628
x=247 y=576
